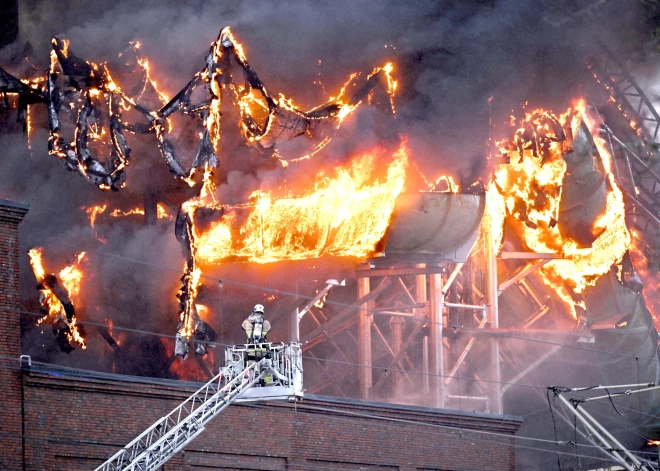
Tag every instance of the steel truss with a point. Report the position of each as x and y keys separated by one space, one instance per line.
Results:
x=636 y=162
x=400 y=331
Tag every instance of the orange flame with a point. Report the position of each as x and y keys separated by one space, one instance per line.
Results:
x=346 y=215
x=94 y=211
x=71 y=277
x=530 y=191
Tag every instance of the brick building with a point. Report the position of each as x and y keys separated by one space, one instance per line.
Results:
x=56 y=419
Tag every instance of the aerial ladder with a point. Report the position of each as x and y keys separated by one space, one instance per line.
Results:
x=252 y=372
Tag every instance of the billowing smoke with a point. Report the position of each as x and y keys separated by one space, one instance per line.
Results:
x=450 y=58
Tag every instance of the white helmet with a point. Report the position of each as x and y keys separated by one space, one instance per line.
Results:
x=258 y=308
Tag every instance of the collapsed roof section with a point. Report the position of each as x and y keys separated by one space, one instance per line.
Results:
x=85 y=94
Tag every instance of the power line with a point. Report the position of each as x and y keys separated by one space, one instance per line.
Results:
x=341 y=304
x=117 y=378
x=452 y=430
x=123 y=378
x=326 y=360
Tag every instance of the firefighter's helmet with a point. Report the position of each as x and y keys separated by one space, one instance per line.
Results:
x=258 y=308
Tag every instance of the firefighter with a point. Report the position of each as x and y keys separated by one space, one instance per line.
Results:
x=256 y=329
x=255 y=326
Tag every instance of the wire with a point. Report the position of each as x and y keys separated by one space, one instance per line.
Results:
x=614 y=406
x=554 y=425
x=326 y=360
x=454 y=327
x=448 y=430
x=68 y=441
x=122 y=378
x=336 y=303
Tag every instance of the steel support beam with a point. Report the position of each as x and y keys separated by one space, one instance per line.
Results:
x=365 y=319
x=436 y=349
x=492 y=311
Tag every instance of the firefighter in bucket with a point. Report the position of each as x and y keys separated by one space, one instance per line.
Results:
x=256 y=328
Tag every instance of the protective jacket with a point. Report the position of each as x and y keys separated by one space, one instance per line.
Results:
x=256 y=328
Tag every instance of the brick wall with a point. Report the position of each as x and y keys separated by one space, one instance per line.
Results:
x=11 y=214
x=76 y=424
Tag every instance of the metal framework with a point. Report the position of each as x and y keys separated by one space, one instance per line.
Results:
x=601 y=436
x=635 y=162
x=401 y=329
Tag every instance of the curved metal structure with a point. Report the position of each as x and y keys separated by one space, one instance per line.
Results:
x=441 y=227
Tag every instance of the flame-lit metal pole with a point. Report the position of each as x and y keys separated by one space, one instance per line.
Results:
x=421 y=297
x=492 y=311
x=425 y=366
x=365 y=318
x=396 y=326
x=436 y=354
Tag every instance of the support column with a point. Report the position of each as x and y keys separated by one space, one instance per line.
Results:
x=396 y=325
x=365 y=318
x=426 y=384
x=496 y=406
x=294 y=327
x=150 y=209
x=294 y=322
x=420 y=292
x=436 y=353
x=11 y=432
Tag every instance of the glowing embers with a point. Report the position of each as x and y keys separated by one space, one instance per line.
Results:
x=57 y=294
x=346 y=214
x=576 y=210
x=95 y=211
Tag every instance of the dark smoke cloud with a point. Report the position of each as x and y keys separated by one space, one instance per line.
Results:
x=450 y=57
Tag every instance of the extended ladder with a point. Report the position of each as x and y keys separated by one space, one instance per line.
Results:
x=276 y=375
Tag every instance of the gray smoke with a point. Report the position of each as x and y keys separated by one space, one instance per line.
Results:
x=450 y=58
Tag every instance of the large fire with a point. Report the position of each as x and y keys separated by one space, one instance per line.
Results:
x=343 y=211
x=346 y=214
x=71 y=277
x=530 y=189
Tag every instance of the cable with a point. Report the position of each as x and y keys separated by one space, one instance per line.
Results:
x=144 y=332
x=121 y=378
x=554 y=425
x=336 y=303
x=68 y=441
x=618 y=424
x=460 y=431
x=614 y=406
x=326 y=360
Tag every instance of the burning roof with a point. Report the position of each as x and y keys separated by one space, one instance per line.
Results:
x=346 y=213
x=561 y=197
x=340 y=211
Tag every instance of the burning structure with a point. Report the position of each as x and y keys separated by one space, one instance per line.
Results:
x=556 y=223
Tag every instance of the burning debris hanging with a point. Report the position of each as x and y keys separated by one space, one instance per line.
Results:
x=85 y=94
x=543 y=191
x=56 y=295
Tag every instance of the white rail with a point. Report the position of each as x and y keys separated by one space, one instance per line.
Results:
x=170 y=434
